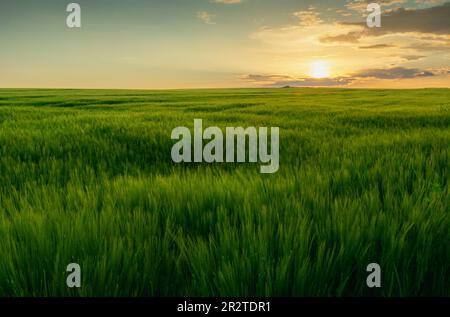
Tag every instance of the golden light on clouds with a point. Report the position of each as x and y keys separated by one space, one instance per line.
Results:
x=319 y=69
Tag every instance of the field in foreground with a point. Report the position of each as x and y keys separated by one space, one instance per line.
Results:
x=87 y=177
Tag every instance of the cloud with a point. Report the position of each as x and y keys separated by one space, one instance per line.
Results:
x=350 y=37
x=376 y=46
x=285 y=80
x=316 y=82
x=361 y=5
x=429 y=20
x=357 y=55
x=227 y=1
x=430 y=45
x=413 y=57
x=308 y=17
x=442 y=71
x=392 y=73
x=267 y=80
x=205 y=17
x=434 y=20
x=419 y=44
x=430 y=2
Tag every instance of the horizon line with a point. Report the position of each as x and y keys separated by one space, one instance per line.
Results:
x=222 y=88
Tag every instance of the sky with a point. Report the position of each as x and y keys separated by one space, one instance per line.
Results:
x=159 y=44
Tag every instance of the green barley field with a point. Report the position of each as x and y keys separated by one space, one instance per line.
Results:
x=86 y=176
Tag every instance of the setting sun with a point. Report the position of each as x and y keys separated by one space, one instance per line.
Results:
x=319 y=69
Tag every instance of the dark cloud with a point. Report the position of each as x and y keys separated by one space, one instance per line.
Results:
x=430 y=46
x=434 y=20
x=393 y=73
x=413 y=57
x=376 y=46
x=265 y=78
x=315 y=82
x=283 y=80
x=378 y=73
x=351 y=37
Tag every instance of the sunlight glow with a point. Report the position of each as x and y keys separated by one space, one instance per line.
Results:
x=319 y=69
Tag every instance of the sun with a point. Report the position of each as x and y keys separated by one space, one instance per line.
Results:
x=319 y=69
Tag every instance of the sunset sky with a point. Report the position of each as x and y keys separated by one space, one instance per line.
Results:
x=154 y=44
